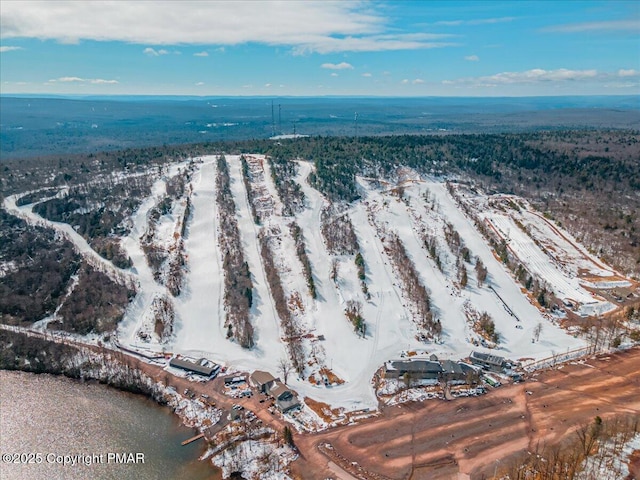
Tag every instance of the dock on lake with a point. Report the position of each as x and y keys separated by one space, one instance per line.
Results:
x=192 y=439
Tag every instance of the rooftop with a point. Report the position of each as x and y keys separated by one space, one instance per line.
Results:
x=261 y=377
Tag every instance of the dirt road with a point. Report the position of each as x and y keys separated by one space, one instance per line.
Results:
x=466 y=438
x=460 y=439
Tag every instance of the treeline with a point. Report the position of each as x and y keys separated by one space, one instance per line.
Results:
x=238 y=288
x=95 y=305
x=462 y=253
x=164 y=317
x=168 y=264
x=587 y=179
x=353 y=312
x=415 y=291
x=338 y=233
x=247 y=177
x=292 y=332
x=38 y=266
x=97 y=207
x=30 y=353
x=301 y=250
x=594 y=451
x=591 y=158
x=292 y=196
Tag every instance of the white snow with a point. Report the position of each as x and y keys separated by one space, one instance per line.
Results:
x=547 y=251
x=199 y=310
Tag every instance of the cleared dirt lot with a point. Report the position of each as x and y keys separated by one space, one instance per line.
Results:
x=467 y=438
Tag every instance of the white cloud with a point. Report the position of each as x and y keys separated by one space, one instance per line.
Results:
x=199 y=84
x=152 y=52
x=628 y=73
x=334 y=74
x=632 y=25
x=68 y=79
x=478 y=21
x=418 y=81
x=337 y=66
x=102 y=81
x=267 y=85
x=367 y=74
x=472 y=58
x=622 y=85
x=335 y=26
x=405 y=81
x=533 y=76
x=95 y=81
x=373 y=43
x=204 y=53
x=6 y=48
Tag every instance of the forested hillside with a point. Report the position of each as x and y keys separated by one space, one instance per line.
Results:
x=588 y=180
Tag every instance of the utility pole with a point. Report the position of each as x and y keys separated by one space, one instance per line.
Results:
x=279 y=118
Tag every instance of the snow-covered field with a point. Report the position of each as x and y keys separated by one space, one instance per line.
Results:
x=425 y=208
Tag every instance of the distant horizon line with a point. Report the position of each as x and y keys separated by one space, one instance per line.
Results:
x=203 y=97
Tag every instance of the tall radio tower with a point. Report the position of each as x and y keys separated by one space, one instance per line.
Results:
x=356 y=123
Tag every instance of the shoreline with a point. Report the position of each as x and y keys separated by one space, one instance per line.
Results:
x=119 y=375
x=528 y=421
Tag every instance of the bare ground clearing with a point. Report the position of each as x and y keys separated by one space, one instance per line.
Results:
x=467 y=438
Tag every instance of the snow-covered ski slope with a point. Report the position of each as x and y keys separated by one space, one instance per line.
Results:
x=390 y=329
x=547 y=251
x=424 y=207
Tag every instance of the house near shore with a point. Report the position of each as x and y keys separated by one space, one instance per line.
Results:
x=263 y=381
x=494 y=363
x=202 y=366
x=285 y=399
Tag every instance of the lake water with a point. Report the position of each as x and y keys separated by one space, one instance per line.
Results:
x=59 y=416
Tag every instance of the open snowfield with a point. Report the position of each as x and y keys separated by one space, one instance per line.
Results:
x=424 y=207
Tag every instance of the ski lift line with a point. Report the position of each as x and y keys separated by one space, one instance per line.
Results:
x=504 y=304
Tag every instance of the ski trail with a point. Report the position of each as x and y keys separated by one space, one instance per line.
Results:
x=81 y=246
x=263 y=313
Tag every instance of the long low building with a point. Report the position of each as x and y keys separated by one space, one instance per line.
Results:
x=492 y=362
x=202 y=366
x=418 y=369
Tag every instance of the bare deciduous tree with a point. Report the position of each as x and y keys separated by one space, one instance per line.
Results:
x=284 y=367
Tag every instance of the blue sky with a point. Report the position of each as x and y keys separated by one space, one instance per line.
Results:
x=416 y=48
